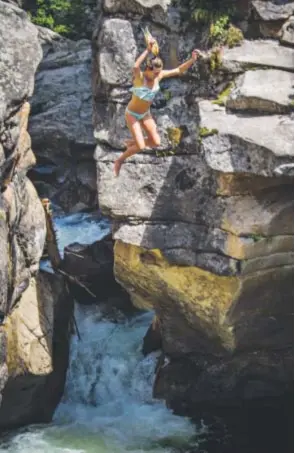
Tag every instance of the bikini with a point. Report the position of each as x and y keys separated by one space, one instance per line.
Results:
x=146 y=94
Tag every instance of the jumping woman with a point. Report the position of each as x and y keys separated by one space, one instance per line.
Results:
x=137 y=114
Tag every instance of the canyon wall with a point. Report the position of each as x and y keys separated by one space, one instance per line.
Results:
x=204 y=225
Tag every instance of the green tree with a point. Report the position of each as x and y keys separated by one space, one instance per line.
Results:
x=66 y=17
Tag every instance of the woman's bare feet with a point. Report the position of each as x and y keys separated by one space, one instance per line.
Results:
x=117 y=167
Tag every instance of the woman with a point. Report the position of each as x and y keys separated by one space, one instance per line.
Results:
x=145 y=88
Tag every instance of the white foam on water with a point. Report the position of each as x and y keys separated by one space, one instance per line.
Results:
x=107 y=405
x=109 y=386
x=84 y=228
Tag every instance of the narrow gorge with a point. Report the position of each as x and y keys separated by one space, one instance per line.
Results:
x=168 y=326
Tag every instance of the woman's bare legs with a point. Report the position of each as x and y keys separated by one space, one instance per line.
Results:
x=136 y=132
x=130 y=142
x=131 y=150
x=139 y=142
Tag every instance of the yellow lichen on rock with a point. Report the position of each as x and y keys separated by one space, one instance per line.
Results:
x=174 y=135
x=193 y=292
x=200 y=311
x=29 y=334
x=243 y=184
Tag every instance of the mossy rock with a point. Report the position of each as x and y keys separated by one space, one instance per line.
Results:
x=256 y=237
x=222 y=97
x=175 y=135
x=205 y=132
x=215 y=59
x=234 y=36
x=167 y=95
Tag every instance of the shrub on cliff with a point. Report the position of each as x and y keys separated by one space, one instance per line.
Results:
x=218 y=15
x=67 y=17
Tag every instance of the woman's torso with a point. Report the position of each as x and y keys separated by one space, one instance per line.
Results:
x=141 y=105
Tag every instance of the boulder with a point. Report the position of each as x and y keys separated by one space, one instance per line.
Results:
x=27 y=222
x=235 y=143
x=93 y=266
x=61 y=123
x=272 y=11
x=271 y=16
x=266 y=91
x=202 y=384
x=37 y=352
x=249 y=54
x=158 y=10
x=136 y=6
x=201 y=312
x=17 y=73
x=287 y=32
x=114 y=63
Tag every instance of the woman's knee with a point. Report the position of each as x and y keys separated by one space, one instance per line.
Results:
x=138 y=137
x=156 y=140
x=140 y=144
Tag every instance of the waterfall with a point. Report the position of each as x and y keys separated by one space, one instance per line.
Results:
x=107 y=405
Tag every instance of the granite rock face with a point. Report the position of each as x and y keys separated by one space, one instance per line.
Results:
x=28 y=301
x=93 y=265
x=271 y=16
x=37 y=353
x=204 y=234
x=265 y=91
x=22 y=216
x=61 y=123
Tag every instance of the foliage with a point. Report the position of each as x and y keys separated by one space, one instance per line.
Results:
x=234 y=36
x=207 y=11
x=174 y=135
x=218 y=15
x=224 y=32
x=256 y=237
x=218 y=28
x=222 y=97
x=66 y=17
x=167 y=95
x=205 y=132
x=215 y=59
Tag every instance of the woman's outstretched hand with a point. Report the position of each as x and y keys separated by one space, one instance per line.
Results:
x=195 y=54
x=150 y=44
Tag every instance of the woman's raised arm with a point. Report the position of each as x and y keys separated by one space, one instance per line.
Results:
x=141 y=58
x=182 y=68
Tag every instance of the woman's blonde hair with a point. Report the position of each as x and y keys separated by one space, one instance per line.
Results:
x=155 y=62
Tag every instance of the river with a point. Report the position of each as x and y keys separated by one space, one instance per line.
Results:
x=107 y=405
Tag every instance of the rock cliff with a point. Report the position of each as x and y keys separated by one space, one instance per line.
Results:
x=61 y=124
x=29 y=301
x=204 y=234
